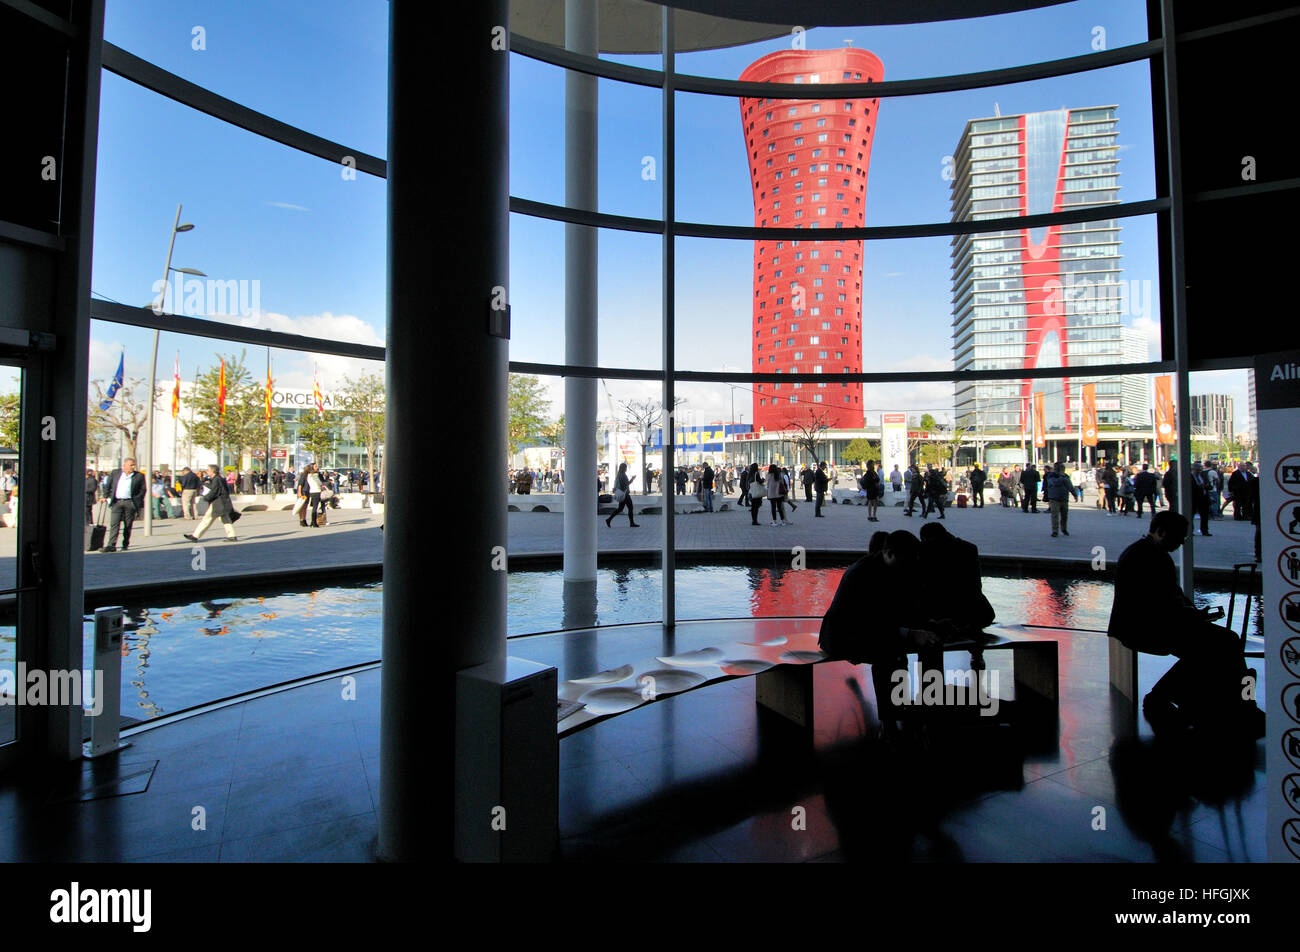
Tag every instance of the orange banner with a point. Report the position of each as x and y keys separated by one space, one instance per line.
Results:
x=221 y=392
x=1040 y=429
x=1088 y=418
x=1164 y=410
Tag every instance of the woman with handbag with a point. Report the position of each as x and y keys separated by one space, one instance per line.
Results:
x=776 y=494
x=314 y=487
x=622 y=496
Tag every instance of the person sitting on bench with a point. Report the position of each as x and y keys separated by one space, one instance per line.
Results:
x=1204 y=687
x=955 y=600
x=874 y=618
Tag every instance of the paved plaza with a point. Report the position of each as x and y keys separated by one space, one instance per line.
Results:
x=273 y=542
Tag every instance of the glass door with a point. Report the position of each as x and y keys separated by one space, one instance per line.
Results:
x=15 y=381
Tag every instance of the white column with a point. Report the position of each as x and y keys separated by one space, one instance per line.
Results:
x=580 y=269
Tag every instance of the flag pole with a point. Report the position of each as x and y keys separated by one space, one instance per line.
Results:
x=176 y=416
x=268 y=419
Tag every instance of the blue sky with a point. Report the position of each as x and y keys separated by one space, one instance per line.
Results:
x=314 y=240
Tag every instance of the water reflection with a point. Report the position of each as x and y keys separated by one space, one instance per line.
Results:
x=179 y=656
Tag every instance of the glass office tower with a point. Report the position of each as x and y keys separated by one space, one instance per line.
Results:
x=1037 y=297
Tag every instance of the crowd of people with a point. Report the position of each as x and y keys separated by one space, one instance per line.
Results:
x=126 y=491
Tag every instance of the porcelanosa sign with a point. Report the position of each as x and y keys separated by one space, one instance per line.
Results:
x=304 y=400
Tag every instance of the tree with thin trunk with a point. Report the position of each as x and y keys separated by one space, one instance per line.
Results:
x=807 y=428
x=526 y=411
x=363 y=400
x=643 y=416
x=126 y=415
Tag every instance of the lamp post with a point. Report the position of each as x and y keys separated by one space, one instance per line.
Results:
x=158 y=308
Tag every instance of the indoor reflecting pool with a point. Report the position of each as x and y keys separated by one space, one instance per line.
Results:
x=180 y=656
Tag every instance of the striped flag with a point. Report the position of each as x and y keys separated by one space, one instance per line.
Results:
x=176 y=388
x=221 y=391
x=268 y=391
x=315 y=389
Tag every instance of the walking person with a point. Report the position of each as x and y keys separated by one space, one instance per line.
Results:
x=937 y=490
x=301 y=490
x=875 y=489
x=1237 y=488
x=1057 y=490
x=1018 y=491
x=806 y=476
x=1029 y=480
x=789 y=488
x=1126 y=491
x=776 y=493
x=190 y=485
x=706 y=481
x=623 y=496
x=1145 y=486
x=1110 y=482
x=896 y=479
x=126 y=490
x=820 y=482
x=217 y=493
x=915 y=489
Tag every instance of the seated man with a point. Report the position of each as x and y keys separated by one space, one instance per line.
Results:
x=872 y=616
x=1151 y=614
x=954 y=598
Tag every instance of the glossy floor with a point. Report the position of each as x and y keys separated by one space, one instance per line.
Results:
x=293 y=776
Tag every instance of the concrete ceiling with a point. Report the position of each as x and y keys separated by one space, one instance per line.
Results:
x=632 y=26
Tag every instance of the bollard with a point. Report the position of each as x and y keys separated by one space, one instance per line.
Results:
x=106 y=726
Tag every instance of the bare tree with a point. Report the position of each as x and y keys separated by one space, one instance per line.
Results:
x=127 y=413
x=807 y=429
x=643 y=416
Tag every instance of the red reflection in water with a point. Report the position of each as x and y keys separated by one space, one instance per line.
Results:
x=792 y=592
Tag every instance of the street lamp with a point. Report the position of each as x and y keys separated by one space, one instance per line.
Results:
x=157 y=308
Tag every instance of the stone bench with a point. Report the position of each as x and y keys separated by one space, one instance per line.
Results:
x=783 y=669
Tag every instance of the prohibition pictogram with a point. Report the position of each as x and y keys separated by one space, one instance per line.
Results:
x=1288 y=519
x=1290 y=653
x=1287 y=474
x=1291 y=701
x=1291 y=746
x=1289 y=610
x=1291 y=791
x=1291 y=836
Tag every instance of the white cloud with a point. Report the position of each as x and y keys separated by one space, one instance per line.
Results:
x=892 y=274
x=1150 y=327
x=290 y=206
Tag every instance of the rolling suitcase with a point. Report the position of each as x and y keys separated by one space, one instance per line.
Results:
x=961 y=500
x=99 y=529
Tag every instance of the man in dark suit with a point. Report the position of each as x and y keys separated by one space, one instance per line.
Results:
x=1150 y=613
x=1237 y=484
x=1029 y=480
x=126 y=491
x=1144 y=488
